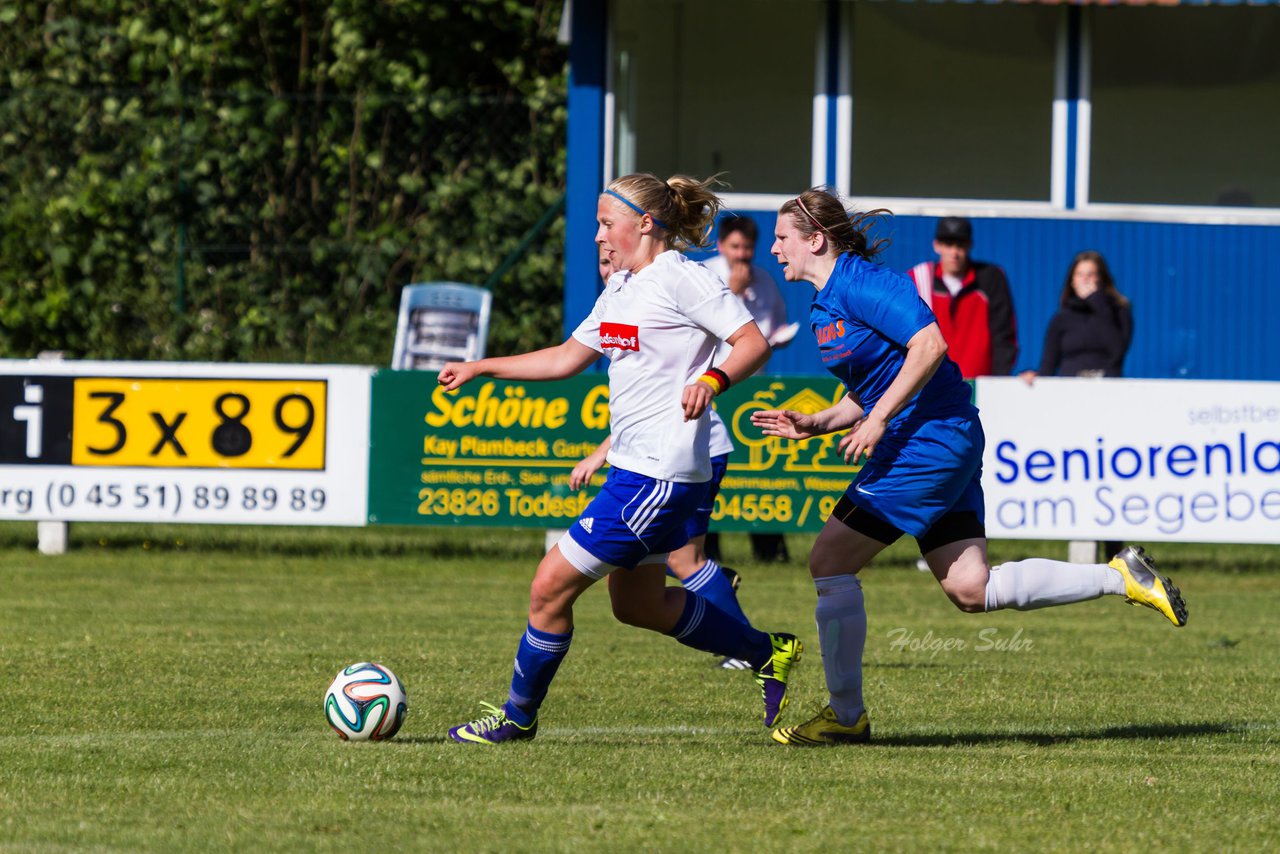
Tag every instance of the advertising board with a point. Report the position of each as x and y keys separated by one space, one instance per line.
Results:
x=183 y=442
x=1135 y=460
x=500 y=453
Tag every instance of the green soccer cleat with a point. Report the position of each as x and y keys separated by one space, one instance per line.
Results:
x=824 y=730
x=772 y=677
x=1144 y=586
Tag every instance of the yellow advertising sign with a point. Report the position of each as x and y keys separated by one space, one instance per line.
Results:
x=199 y=423
x=498 y=452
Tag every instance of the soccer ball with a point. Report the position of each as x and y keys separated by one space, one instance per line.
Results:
x=366 y=702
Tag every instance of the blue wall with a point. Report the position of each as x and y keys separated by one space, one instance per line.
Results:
x=1205 y=304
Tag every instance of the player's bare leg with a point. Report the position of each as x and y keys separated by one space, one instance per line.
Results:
x=968 y=579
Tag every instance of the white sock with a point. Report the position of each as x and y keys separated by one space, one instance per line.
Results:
x=1039 y=583
x=841 y=616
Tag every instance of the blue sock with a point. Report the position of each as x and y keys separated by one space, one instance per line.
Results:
x=704 y=626
x=713 y=585
x=537 y=660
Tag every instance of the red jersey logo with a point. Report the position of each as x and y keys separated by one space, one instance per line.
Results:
x=621 y=336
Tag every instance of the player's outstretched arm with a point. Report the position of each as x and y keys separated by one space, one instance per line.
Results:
x=552 y=363
x=789 y=424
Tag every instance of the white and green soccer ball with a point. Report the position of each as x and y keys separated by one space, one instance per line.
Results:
x=366 y=702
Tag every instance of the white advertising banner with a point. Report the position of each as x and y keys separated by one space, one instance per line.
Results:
x=184 y=442
x=1136 y=460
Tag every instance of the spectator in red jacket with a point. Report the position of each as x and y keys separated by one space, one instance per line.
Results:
x=972 y=302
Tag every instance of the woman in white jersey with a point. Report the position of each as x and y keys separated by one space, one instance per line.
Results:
x=658 y=322
x=689 y=564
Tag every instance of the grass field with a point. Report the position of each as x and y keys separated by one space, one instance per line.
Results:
x=164 y=694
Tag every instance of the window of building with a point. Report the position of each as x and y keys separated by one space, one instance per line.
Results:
x=1184 y=106
x=952 y=101
x=707 y=86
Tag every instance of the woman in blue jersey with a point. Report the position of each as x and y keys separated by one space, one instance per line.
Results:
x=909 y=415
x=658 y=322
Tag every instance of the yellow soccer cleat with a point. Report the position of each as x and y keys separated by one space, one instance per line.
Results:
x=772 y=677
x=1143 y=586
x=824 y=729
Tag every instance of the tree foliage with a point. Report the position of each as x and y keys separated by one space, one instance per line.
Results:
x=258 y=179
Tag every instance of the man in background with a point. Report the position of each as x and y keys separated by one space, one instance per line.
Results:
x=734 y=264
x=972 y=302
x=973 y=305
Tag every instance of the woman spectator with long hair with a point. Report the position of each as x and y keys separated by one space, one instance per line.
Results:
x=1090 y=334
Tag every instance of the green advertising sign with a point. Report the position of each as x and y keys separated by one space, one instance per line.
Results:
x=500 y=453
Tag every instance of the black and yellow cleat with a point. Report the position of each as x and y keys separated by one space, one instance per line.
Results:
x=1144 y=586
x=772 y=677
x=824 y=730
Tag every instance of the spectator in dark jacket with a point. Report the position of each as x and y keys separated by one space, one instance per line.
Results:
x=1090 y=334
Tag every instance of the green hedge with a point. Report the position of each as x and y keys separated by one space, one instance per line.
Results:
x=237 y=180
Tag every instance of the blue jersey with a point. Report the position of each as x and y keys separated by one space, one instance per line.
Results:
x=863 y=319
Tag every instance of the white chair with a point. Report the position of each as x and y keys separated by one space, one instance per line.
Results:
x=440 y=322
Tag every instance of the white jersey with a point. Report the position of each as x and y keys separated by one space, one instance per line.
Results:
x=659 y=328
x=719 y=443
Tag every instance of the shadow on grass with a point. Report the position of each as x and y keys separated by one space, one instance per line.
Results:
x=1130 y=731
x=425 y=739
x=963 y=739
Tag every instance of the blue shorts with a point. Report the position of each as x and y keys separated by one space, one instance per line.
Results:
x=633 y=520
x=913 y=480
x=701 y=520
